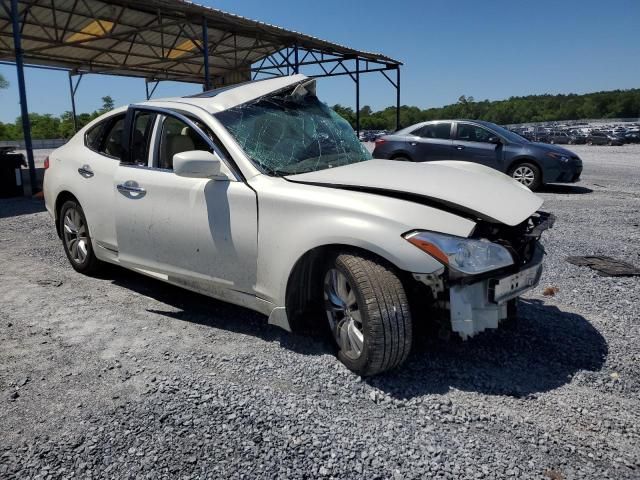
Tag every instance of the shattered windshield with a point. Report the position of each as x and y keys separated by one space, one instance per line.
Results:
x=288 y=134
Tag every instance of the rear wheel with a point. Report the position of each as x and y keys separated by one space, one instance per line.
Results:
x=368 y=313
x=76 y=239
x=401 y=159
x=527 y=174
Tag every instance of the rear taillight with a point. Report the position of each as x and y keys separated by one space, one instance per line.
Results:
x=46 y=163
x=380 y=141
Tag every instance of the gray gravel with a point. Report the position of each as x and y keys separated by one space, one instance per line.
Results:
x=120 y=376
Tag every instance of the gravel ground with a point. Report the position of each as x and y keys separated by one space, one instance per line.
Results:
x=120 y=376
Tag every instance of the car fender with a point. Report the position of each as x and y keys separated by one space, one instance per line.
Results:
x=525 y=159
x=296 y=218
x=401 y=153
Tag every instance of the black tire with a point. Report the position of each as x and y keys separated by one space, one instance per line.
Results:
x=537 y=175
x=85 y=263
x=401 y=159
x=383 y=307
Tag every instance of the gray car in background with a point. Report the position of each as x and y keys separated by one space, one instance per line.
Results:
x=532 y=164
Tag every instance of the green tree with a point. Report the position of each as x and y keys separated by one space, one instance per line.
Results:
x=347 y=113
x=3 y=82
x=107 y=104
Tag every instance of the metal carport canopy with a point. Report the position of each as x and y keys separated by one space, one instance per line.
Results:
x=168 y=40
x=163 y=39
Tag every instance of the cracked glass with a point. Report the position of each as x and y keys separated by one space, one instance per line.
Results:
x=286 y=134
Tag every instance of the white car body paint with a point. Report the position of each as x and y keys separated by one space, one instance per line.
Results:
x=238 y=239
x=478 y=189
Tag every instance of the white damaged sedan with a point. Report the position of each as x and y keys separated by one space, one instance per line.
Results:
x=261 y=195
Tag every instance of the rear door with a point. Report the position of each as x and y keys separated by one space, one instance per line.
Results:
x=95 y=170
x=198 y=232
x=431 y=142
x=471 y=144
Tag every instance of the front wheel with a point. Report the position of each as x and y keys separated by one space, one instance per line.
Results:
x=527 y=174
x=368 y=313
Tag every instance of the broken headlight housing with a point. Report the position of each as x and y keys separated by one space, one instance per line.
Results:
x=462 y=254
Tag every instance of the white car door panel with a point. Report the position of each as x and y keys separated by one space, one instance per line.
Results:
x=198 y=232
x=94 y=189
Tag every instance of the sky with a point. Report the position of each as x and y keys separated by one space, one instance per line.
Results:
x=490 y=49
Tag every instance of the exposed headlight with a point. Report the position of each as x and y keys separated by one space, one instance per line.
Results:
x=558 y=156
x=462 y=254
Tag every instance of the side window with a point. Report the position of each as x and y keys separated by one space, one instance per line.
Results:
x=141 y=137
x=112 y=143
x=472 y=133
x=435 y=130
x=177 y=137
x=94 y=135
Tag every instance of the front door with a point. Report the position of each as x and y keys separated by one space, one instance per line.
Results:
x=472 y=144
x=198 y=232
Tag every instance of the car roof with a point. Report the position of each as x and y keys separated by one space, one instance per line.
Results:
x=231 y=96
x=418 y=125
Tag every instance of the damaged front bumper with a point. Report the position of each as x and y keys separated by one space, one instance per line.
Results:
x=474 y=307
x=478 y=302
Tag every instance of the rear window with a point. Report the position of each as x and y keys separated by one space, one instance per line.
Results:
x=94 y=135
x=435 y=130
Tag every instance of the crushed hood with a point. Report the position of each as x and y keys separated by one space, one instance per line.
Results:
x=465 y=187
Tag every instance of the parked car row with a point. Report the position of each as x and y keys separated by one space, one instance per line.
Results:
x=605 y=135
x=371 y=135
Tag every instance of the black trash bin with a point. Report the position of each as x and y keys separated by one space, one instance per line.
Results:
x=11 y=175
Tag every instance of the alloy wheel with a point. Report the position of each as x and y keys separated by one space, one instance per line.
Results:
x=524 y=175
x=75 y=235
x=344 y=316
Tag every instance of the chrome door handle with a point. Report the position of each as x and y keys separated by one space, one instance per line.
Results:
x=459 y=147
x=413 y=144
x=130 y=188
x=85 y=171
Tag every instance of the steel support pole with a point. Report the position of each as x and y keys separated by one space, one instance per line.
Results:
x=205 y=53
x=24 y=110
x=296 y=68
x=72 y=91
x=357 y=96
x=398 y=98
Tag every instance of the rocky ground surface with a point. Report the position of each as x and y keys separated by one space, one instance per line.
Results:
x=120 y=376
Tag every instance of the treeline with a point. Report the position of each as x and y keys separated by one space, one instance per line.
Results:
x=532 y=108
x=47 y=126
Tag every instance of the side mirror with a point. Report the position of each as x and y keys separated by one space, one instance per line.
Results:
x=199 y=164
x=495 y=140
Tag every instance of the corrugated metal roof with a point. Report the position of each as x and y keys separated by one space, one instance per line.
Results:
x=157 y=39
